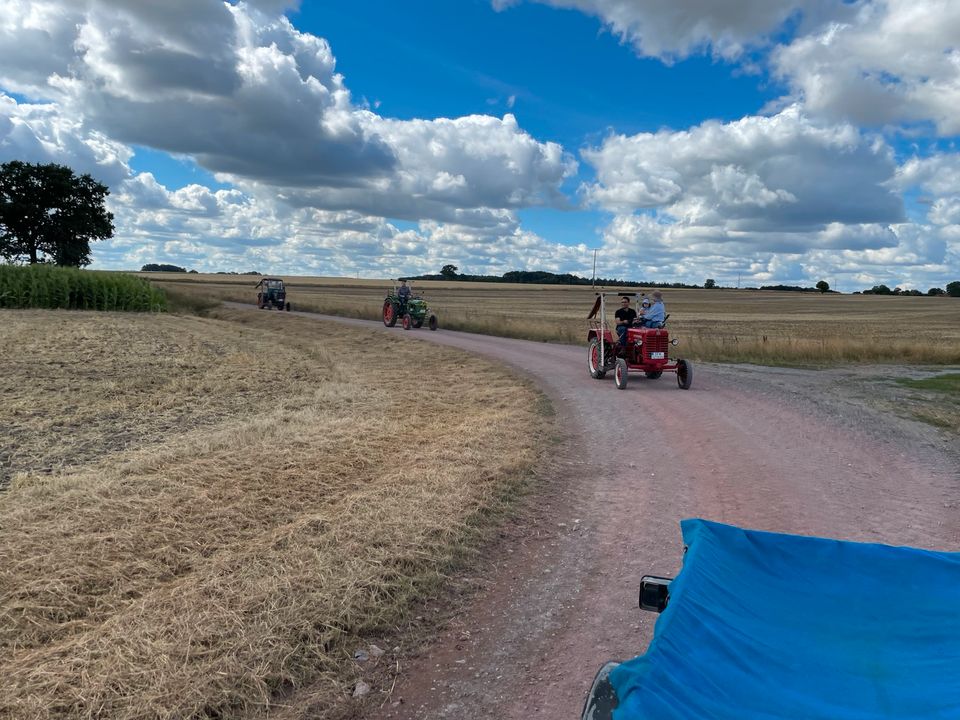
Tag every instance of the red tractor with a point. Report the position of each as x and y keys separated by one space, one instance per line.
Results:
x=646 y=350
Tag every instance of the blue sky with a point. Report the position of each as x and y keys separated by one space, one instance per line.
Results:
x=572 y=80
x=782 y=141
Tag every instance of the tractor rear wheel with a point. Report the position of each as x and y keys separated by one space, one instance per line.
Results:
x=432 y=322
x=684 y=374
x=406 y=321
x=389 y=313
x=596 y=370
x=654 y=374
x=620 y=373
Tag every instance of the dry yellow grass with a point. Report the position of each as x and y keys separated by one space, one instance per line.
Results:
x=81 y=385
x=276 y=500
x=714 y=325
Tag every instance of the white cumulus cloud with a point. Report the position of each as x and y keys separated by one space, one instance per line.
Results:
x=261 y=104
x=725 y=28
x=894 y=61
x=779 y=175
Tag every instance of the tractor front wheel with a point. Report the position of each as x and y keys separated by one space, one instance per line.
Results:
x=432 y=322
x=418 y=322
x=620 y=373
x=684 y=374
x=654 y=374
x=389 y=313
x=594 y=366
x=406 y=321
x=288 y=307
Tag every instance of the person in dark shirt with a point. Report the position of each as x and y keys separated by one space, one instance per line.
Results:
x=625 y=317
x=403 y=293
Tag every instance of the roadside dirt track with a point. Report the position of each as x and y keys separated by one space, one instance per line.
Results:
x=775 y=449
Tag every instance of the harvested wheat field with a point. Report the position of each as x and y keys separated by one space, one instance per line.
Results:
x=203 y=514
x=764 y=327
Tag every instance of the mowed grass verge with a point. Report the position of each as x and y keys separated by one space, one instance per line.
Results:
x=207 y=513
x=935 y=400
x=764 y=327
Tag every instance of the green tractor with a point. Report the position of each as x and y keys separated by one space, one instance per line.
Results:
x=412 y=310
x=272 y=294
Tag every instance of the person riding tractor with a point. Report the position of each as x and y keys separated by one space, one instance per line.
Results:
x=403 y=295
x=272 y=294
x=639 y=345
x=411 y=310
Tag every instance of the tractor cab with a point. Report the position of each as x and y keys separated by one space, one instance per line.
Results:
x=272 y=294
x=638 y=350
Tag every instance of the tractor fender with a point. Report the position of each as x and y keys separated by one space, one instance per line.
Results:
x=593 y=334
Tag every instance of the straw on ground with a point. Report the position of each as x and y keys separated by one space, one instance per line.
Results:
x=238 y=502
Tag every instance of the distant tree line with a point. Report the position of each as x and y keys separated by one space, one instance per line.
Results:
x=541 y=277
x=163 y=267
x=952 y=289
x=798 y=288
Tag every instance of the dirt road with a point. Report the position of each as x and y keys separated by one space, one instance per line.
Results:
x=775 y=449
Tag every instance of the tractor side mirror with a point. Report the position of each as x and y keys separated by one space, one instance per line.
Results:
x=654 y=593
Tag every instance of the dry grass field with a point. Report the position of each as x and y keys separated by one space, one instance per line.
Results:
x=202 y=514
x=715 y=325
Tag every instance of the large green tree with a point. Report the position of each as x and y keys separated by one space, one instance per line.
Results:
x=48 y=213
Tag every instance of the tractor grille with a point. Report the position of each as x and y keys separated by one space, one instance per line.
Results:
x=656 y=343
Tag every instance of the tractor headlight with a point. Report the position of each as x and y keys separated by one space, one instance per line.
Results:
x=674 y=342
x=639 y=343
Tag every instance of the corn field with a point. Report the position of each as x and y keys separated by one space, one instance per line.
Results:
x=51 y=287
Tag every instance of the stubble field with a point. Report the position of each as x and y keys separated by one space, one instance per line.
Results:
x=204 y=514
x=764 y=327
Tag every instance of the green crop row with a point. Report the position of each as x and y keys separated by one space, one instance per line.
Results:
x=51 y=287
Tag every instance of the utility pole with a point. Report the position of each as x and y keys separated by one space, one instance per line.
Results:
x=593 y=282
x=738 y=281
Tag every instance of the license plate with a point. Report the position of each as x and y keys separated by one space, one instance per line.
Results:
x=656 y=356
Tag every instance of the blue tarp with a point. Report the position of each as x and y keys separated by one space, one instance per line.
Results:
x=762 y=626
